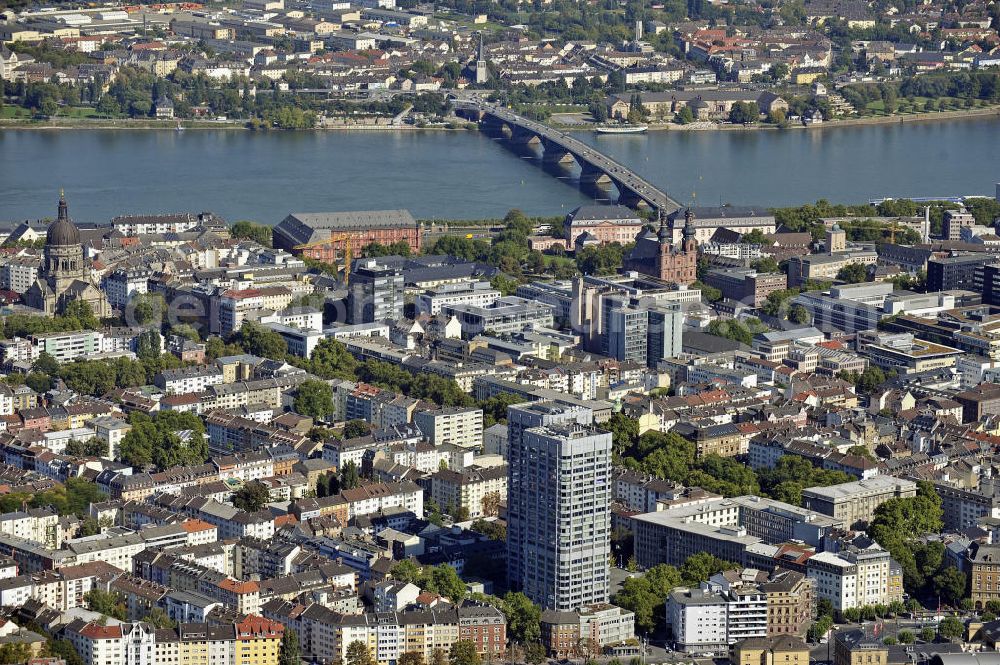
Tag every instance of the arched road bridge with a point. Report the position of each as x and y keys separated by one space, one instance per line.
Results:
x=596 y=168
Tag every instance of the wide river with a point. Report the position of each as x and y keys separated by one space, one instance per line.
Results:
x=461 y=175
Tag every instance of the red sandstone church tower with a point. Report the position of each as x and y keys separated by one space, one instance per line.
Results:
x=656 y=256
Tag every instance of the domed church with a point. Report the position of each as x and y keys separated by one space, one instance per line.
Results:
x=65 y=276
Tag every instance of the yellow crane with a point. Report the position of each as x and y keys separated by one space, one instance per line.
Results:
x=345 y=238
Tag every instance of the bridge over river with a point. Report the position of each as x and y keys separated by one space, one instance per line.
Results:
x=559 y=149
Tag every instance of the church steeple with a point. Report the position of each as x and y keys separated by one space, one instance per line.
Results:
x=664 y=233
x=690 y=244
x=63 y=208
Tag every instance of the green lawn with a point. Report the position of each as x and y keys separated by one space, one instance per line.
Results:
x=77 y=112
x=9 y=112
x=904 y=107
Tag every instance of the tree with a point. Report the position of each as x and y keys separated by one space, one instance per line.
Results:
x=349 y=478
x=534 y=653
x=463 y=652
x=107 y=603
x=950 y=584
x=646 y=595
x=927 y=634
x=83 y=313
x=951 y=628
x=523 y=618
x=253 y=496
x=159 y=618
x=765 y=264
x=624 y=431
x=261 y=341
x=170 y=438
x=684 y=116
x=62 y=649
x=799 y=314
x=92 y=448
x=289 y=653
x=853 y=273
x=358 y=654
x=147 y=308
x=355 y=428
x=445 y=581
x=331 y=360
x=407 y=570
x=744 y=113
x=46 y=364
x=701 y=566
x=40 y=383
x=14 y=652
x=149 y=345
x=905 y=637
x=314 y=399
x=407 y=658
x=259 y=233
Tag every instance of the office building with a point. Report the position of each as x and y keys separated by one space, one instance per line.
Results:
x=480 y=294
x=558 y=508
x=375 y=294
x=855 y=502
x=725 y=527
x=957 y=272
x=507 y=314
x=625 y=331
x=746 y=285
x=664 y=330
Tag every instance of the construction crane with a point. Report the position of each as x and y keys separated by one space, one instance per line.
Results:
x=345 y=238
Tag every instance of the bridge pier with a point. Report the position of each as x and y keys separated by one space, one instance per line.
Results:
x=475 y=115
x=594 y=175
x=522 y=136
x=628 y=197
x=553 y=153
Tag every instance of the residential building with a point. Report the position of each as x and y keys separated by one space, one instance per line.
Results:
x=558 y=507
x=476 y=492
x=772 y=650
x=460 y=426
x=853 y=577
x=983 y=563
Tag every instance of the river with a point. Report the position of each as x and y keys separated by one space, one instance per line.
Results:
x=461 y=175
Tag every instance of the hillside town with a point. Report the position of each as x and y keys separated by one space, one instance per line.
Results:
x=299 y=64
x=716 y=434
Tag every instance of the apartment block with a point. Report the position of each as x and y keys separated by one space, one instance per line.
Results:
x=455 y=425
x=854 y=577
x=559 y=519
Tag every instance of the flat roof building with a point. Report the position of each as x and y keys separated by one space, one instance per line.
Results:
x=855 y=503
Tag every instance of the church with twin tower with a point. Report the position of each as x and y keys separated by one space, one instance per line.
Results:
x=65 y=275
